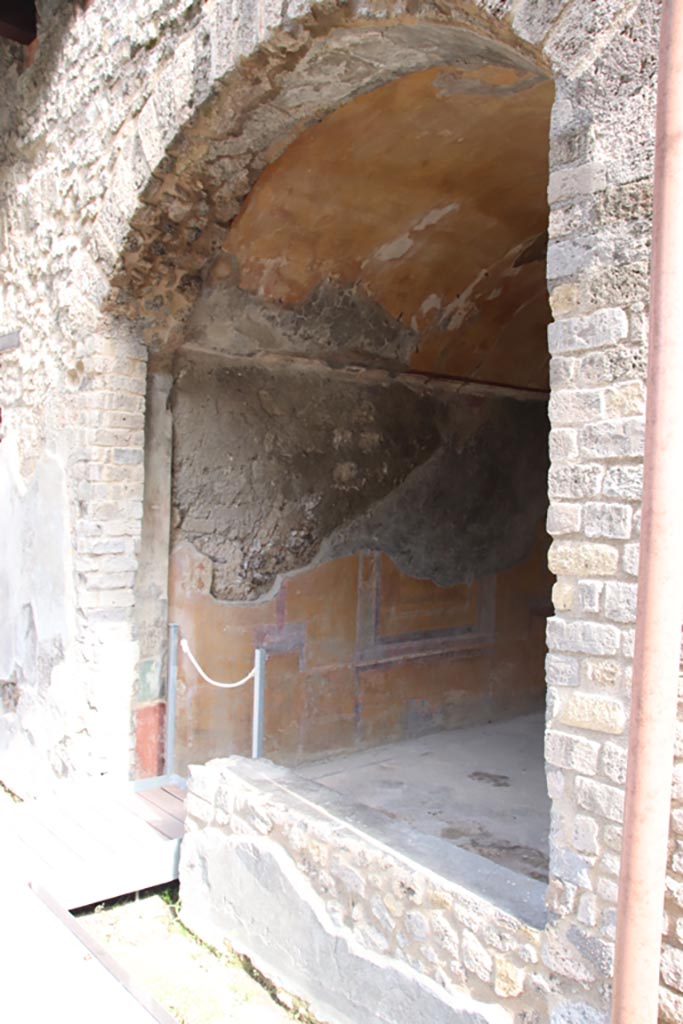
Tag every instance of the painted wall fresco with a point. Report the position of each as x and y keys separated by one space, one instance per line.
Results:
x=359 y=654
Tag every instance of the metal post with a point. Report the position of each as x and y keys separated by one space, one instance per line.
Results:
x=642 y=877
x=259 y=688
x=171 y=688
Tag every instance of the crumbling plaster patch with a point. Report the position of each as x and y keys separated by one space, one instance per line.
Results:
x=37 y=625
x=273 y=469
x=338 y=325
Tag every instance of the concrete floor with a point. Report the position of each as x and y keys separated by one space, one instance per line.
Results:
x=482 y=788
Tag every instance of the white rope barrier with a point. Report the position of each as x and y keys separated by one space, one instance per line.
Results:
x=185 y=648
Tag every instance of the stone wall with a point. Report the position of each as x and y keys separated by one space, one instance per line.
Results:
x=72 y=395
x=600 y=192
x=88 y=130
x=356 y=914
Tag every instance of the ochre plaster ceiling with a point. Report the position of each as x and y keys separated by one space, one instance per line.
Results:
x=428 y=196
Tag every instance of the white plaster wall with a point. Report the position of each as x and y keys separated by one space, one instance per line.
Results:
x=37 y=626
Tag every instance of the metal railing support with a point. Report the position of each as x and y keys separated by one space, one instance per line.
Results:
x=259 y=693
x=171 y=693
x=258 y=674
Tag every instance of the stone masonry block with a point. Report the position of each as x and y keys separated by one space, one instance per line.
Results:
x=620 y=601
x=575 y=481
x=562 y=371
x=221 y=36
x=556 y=784
x=576 y=753
x=586 y=836
x=612 y=836
x=567 y=257
x=601 y=673
x=561 y=670
x=672 y=966
x=583 y=637
x=561 y=896
x=563 y=443
x=677 y=785
x=563 y=594
x=592 y=711
x=670 y=1007
x=630 y=558
x=183 y=75
x=609 y=863
x=476 y=957
x=621 y=367
x=508 y=979
x=569 y=408
x=578 y=558
x=614 y=439
x=599 y=798
x=569 y=150
x=587 y=910
x=560 y=958
x=98 y=580
x=564 y=518
x=574 y=334
x=150 y=134
x=613 y=762
x=625 y=400
x=568 y=182
x=590 y=595
x=603 y=519
x=628 y=639
x=608 y=890
x=596 y=951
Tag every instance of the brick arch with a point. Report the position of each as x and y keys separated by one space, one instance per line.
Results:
x=157 y=245
x=185 y=192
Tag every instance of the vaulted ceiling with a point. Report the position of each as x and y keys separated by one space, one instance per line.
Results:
x=427 y=197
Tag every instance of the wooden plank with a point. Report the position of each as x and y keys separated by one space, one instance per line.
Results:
x=91 y=845
x=42 y=841
x=156 y=1011
x=71 y=825
x=175 y=791
x=60 y=868
x=167 y=826
x=172 y=805
x=137 y=872
x=120 y=827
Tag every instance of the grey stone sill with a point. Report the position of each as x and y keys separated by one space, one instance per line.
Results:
x=521 y=897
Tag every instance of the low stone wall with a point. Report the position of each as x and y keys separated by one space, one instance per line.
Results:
x=361 y=916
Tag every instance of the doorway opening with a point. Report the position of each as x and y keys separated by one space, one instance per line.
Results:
x=360 y=460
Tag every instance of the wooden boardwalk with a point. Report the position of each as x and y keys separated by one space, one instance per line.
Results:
x=96 y=842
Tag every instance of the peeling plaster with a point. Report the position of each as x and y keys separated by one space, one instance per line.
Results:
x=277 y=469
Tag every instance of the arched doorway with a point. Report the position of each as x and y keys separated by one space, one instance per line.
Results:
x=359 y=475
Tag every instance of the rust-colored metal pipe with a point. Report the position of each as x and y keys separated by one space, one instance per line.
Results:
x=660 y=582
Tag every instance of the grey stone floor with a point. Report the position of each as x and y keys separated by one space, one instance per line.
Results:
x=482 y=787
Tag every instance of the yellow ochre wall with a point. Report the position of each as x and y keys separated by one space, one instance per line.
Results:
x=358 y=654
